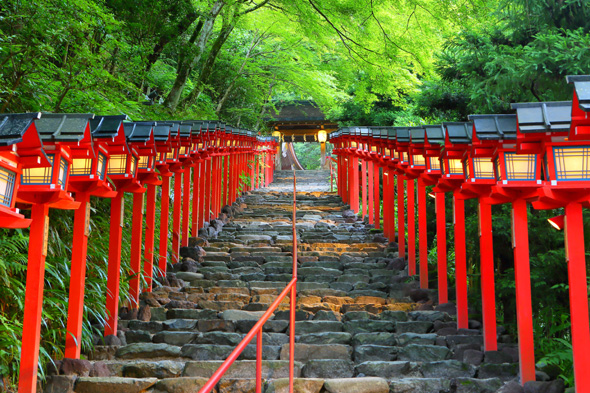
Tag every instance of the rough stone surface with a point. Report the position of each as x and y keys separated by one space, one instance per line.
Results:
x=113 y=384
x=357 y=385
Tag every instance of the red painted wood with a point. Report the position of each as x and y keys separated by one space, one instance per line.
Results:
x=371 y=201
x=208 y=170
x=365 y=207
x=135 y=255
x=441 y=248
x=186 y=203
x=114 y=266
x=354 y=184
x=202 y=193
x=386 y=204
x=460 y=262
x=522 y=279
x=77 y=278
x=488 y=293
x=401 y=229
x=422 y=234
x=33 y=300
x=150 y=230
x=376 y=196
x=176 y=212
x=575 y=254
x=164 y=221
x=196 y=188
x=411 y=191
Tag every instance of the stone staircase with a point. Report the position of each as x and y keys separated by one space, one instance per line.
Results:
x=362 y=324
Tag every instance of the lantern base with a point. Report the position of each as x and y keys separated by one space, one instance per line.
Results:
x=13 y=220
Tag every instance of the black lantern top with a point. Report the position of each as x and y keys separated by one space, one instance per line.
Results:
x=494 y=127
x=63 y=127
x=13 y=126
x=536 y=117
x=458 y=133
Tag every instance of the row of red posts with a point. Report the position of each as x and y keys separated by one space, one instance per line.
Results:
x=61 y=160
x=540 y=156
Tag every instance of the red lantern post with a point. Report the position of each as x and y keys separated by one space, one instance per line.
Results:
x=487 y=135
x=457 y=142
x=140 y=136
x=165 y=144
x=545 y=130
x=45 y=187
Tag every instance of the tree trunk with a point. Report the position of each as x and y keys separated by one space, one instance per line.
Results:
x=208 y=66
x=255 y=42
x=186 y=66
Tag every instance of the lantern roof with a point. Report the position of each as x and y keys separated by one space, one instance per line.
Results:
x=458 y=132
x=161 y=132
x=139 y=131
x=63 y=127
x=582 y=88
x=402 y=134
x=383 y=132
x=435 y=134
x=13 y=127
x=106 y=126
x=417 y=135
x=535 y=117
x=494 y=127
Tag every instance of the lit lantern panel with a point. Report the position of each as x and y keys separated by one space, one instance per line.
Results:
x=572 y=163
x=374 y=149
x=81 y=167
x=353 y=145
x=434 y=163
x=144 y=162
x=402 y=156
x=117 y=164
x=183 y=150
x=133 y=166
x=455 y=166
x=101 y=166
x=520 y=166
x=480 y=168
x=387 y=152
x=418 y=160
x=7 y=180
x=44 y=175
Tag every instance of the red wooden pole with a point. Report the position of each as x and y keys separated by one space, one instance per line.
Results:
x=344 y=181
x=386 y=220
x=202 y=194
x=259 y=361
x=522 y=279
x=460 y=261
x=164 y=220
x=377 y=196
x=186 y=203
x=33 y=299
x=575 y=254
x=77 y=277
x=371 y=191
x=422 y=234
x=354 y=184
x=114 y=266
x=411 y=191
x=150 y=231
x=196 y=189
x=401 y=229
x=488 y=293
x=208 y=193
x=135 y=255
x=365 y=207
x=441 y=248
x=176 y=212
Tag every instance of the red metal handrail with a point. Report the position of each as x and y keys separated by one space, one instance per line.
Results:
x=291 y=289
